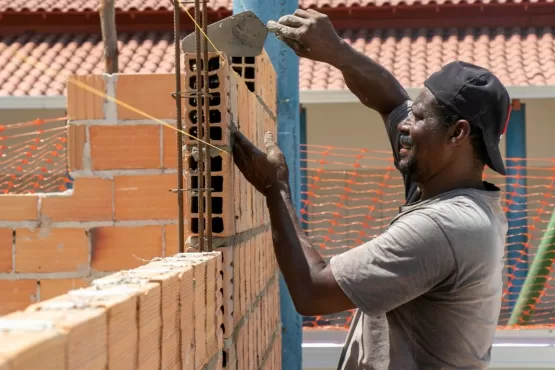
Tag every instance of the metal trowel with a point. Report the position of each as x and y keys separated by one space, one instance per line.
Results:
x=240 y=35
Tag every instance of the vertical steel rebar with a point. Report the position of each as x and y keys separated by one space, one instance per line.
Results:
x=199 y=130
x=207 y=131
x=178 y=100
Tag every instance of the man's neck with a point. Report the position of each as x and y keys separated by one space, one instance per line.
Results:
x=442 y=184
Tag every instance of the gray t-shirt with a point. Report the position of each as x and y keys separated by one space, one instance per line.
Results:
x=428 y=290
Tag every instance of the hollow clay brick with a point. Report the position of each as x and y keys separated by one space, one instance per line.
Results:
x=145 y=197
x=51 y=250
x=50 y=288
x=6 y=249
x=82 y=103
x=86 y=328
x=19 y=207
x=115 y=248
x=76 y=139
x=24 y=348
x=149 y=319
x=91 y=200
x=120 y=304
x=125 y=147
x=149 y=95
x=17 y=294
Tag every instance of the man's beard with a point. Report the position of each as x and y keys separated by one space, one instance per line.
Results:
x=409 y=167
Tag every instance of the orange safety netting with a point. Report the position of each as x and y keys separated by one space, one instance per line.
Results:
x=33 y=157
x=349 y=196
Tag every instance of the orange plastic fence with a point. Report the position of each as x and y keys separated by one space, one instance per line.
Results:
x=33 y=157
x=350 y=195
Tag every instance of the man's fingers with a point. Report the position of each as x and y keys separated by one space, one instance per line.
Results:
x=303 y=13
x=295 y=45
x=270 y=143
x=292 y=21
x=283 y=30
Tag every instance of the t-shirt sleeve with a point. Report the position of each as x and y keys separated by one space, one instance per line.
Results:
x=398 y=115
x=410 y=258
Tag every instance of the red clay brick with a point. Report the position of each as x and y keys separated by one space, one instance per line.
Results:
x=145 y=197
x=83 y=104
x=33 y=350
x=16 y=295
x=77 y=137
x=50 y=288
x=54 y=250
x=116 y=248
x=19 y=207
x=125 y=147
x=6 y=250
x=86 y=331
x=91 y=200
x=149 y=95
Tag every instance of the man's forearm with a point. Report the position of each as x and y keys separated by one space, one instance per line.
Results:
x=373 y=85
x=299 y=262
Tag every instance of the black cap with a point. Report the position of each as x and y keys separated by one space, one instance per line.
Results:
x=475 y=94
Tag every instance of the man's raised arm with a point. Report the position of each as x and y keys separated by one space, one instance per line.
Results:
x=311 y=35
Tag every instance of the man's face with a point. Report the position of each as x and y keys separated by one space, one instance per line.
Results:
x=423 y=140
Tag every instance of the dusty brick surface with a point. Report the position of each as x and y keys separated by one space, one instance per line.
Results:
x=125 y=147
x=50 y=288
x=51 y=250
x=82 y=103
x=19 y=207
x=17 y=294
x=6 y=249
x=91 y=200
x=116 y=248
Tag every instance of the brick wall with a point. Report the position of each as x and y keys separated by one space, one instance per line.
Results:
x=97 y=268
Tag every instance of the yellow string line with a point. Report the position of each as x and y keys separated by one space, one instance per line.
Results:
x=102 y=94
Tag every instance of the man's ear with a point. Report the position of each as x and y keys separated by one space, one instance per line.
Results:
x=459 y=132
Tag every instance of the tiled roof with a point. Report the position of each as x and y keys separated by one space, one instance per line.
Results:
x=518 y=56
x=140 y=5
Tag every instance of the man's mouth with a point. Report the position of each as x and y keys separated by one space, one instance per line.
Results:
x=406 y=142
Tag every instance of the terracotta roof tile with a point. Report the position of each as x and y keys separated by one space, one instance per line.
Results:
x=141 y=5
x=517 y=56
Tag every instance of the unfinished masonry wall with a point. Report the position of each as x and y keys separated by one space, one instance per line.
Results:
x=92 y=278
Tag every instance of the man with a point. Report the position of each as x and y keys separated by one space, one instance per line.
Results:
x=428 y=290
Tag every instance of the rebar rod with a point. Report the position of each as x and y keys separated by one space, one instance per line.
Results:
x=199 y=130
x=178 y=100
x=208 y=169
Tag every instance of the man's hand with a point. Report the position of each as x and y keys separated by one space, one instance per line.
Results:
x=262 y=170
x=309 y=33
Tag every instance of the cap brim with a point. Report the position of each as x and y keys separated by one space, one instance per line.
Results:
x=495 y=160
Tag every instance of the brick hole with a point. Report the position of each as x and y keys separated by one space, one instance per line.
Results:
x=224 y=359
x=217 y=183
x=214 y=81
x=222 y=326
x=239 y=70
x=216 y=163
x=237 y=60
x=213 y=64
x=192 y=164
x=193 y=117
x=216 y=133
x=194 y=131
x=250 y=60
x=215 y=116
x=217 y=225
x=217 y=205
x=250 y=85
x=214 y=100
x=249 y=72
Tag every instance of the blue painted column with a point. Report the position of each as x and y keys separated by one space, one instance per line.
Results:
x=286 y=65
x=517 y=235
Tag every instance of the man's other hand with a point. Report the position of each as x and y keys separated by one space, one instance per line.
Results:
x=309 y=33
x=262 y=170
